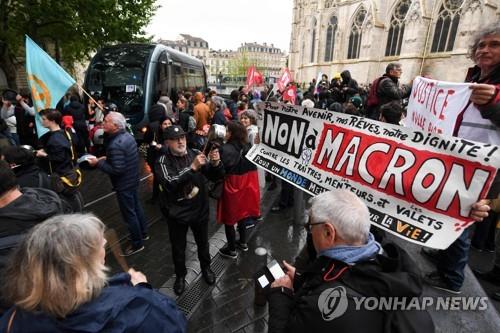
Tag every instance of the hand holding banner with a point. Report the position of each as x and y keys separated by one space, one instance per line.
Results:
x=418 y=186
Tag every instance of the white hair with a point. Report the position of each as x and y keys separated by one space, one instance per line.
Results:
x=345 y=211
x=118 y=119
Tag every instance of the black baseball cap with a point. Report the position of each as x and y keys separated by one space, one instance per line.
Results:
x=173 y=132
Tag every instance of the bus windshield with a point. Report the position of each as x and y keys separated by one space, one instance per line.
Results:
x=117 y=74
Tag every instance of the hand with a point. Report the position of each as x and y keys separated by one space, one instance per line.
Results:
x=214 y=157
x=283 y=281
x=19 y=97
x=482 y=93
x=290 y=270
x=158 y=146
x=137 y=277
x=199 y=161
x=256 y=140
x=480 y=210
x=92 y=160
x=41 y=153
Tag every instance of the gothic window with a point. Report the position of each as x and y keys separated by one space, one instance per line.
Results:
x=355 y=35
x=330 y=38
x=313 y=39
x=446 y=26
x=397 y=29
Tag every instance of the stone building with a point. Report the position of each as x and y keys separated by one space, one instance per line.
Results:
x=219 y=63
x=268 y=59
x=426 y=36
x=194 y=46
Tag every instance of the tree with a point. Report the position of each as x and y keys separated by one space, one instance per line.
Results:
x=69 y=30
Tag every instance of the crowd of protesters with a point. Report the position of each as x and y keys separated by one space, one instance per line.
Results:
x=196 y=149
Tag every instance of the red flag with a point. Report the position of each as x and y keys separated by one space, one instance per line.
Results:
x=258 y=79
x=290 y=94
x=250 y=76
x=284 y=80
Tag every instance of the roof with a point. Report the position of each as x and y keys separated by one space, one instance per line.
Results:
x=194 y=39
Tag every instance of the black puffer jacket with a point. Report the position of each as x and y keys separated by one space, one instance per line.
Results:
x=392 y=274
x=122 y=161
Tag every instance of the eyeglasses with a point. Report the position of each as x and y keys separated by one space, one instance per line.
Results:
x=308 y=226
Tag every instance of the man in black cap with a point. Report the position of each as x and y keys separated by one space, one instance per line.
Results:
x=181 y=172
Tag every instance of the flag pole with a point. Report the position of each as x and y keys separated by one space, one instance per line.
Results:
x=90 y=97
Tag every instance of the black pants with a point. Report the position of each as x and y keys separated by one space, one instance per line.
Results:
x=231 y=234
x=177 y=233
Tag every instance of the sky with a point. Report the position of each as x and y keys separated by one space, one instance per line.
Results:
x=225 y=24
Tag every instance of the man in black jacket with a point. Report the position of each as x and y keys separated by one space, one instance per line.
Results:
x=181 y=172
x=389 y=89
x=350 y=264
x=20 y=210
x=121 y=163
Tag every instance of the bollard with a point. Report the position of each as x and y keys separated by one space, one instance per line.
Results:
x=260 y=296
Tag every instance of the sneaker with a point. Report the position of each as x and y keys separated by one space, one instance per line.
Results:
x=242 y=246
x=436 y=280
x=131 y=250
x=227 y=253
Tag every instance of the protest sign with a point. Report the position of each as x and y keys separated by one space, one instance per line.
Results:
x=435 y=105
x=418 y=186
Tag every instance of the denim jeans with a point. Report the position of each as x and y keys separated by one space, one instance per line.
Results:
x=453 y=260
x=133 y=215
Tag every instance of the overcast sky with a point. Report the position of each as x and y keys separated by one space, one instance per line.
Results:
x=225 y=24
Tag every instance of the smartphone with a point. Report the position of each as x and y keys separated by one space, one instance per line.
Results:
x=275 y=270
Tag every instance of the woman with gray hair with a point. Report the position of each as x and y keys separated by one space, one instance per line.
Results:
x=57 y=281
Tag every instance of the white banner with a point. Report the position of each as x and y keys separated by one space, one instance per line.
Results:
x=435 y=105
x=418 y=186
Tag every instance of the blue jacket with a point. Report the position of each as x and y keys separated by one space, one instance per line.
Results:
x=119 y=308
x=122 y=161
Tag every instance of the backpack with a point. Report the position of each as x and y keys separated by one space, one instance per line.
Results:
x=373 y=99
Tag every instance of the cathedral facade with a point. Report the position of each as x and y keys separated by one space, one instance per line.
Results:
x=428 y=37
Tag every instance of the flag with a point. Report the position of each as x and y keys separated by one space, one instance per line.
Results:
x=284 y=80
x=258 y=78
x=250 y=76
x=254 y=78
x=290 y=94
x=47 y=80
x=318 y=80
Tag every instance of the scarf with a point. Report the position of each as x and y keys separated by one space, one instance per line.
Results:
x=353 y=254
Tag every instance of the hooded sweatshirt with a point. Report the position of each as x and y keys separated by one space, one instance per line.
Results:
x=32 y=207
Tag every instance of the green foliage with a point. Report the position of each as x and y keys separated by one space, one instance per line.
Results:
x=71 y=29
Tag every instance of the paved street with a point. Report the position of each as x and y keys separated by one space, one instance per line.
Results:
x=228 y=306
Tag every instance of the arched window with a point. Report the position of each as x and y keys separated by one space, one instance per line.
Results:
x=446 y=26
x=397 y=29
x=355 y=35
x=330 y=38
x=313 y=39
